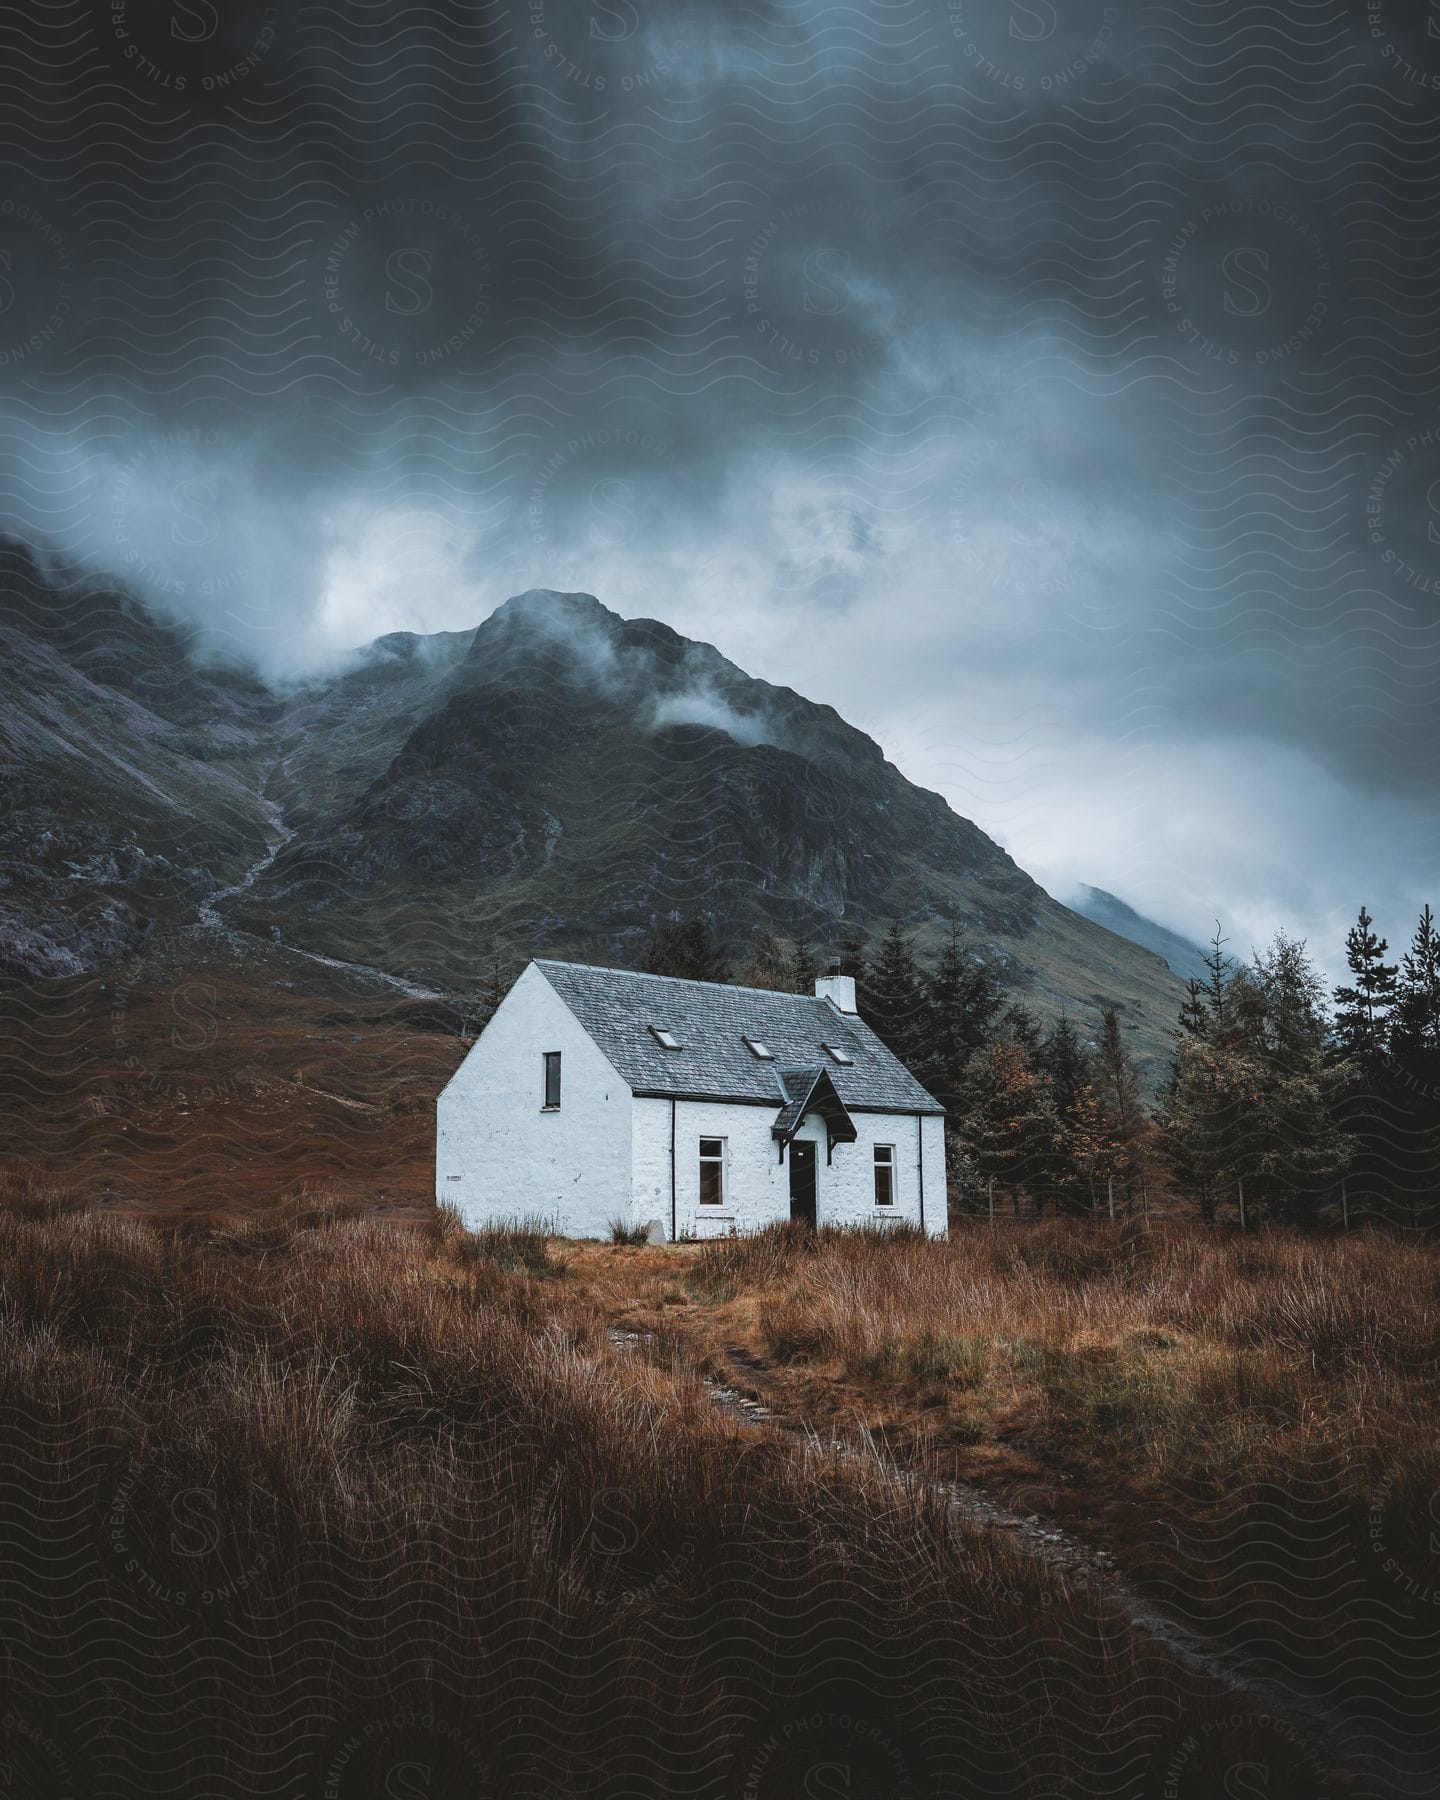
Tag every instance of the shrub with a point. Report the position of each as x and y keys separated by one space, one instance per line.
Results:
x=401 y=1493
x=517 y=1249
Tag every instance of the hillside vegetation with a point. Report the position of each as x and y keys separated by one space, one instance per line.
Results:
x=334 y=1497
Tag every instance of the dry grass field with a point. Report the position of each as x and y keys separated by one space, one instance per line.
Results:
x=306 y=1502
x=1249 y=1425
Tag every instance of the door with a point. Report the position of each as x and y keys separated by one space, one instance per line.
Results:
x=802 y=1181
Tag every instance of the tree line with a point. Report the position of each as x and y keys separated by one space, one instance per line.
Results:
x=1036 y=1118
x=1281 y=1101
x=1285 y=1101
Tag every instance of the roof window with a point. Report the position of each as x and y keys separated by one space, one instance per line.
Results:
x=756 y=1048
x=666 y=1040
x=843 y=1057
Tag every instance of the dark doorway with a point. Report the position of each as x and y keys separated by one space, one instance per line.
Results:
x=802 y=1181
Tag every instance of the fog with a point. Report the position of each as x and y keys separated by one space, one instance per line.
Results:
x=1050 y=391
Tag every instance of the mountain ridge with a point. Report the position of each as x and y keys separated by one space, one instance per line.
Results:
x=549 y=782
x=1186 y=959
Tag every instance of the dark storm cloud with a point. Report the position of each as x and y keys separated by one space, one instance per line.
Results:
x=1047 y=386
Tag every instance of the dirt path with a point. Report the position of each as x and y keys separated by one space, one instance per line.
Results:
x=1333 y=1735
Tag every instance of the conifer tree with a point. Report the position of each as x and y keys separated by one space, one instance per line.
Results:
x=1250 y=1100
x=1370 y=1104
x=1195 y=1010
x=893 y=1000
x=1066 y=1059
x=1216 y=985
x=767 y=965
x=1011 y=1129
x=1122 y=1104
x=684 y=948
x=1415 y=1069
x=1020 y=1026
x=804 y=969
x=1416 y=1019
x=485 y=1002
x=852 y=956
x=1363 y=1007
x=962 y=998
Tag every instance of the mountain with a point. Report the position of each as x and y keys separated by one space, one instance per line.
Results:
x=1187 y=960
x=329 y=874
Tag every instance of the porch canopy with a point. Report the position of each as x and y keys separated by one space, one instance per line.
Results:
x=807 y=1091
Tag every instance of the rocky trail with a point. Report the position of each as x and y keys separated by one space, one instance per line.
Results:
x=740 y=1392
x=208 y=912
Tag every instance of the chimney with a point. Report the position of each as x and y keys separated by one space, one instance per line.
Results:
x=838 y=989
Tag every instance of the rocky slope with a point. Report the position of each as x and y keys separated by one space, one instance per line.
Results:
x=1185 y=959
x=548 y=783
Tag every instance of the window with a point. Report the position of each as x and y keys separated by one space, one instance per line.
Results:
x=666 y=1040
x=756 y=1048
x=843 y=1057
x=712 y=1171
x=552 y=1081
x=884 y=1174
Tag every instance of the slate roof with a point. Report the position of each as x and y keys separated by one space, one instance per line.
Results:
x=799 y=1085
x=618 y=1006
x=811 y=1090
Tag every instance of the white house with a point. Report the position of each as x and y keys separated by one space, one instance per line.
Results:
x=603 y=1096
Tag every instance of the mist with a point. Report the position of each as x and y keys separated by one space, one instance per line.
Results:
x=998 y=387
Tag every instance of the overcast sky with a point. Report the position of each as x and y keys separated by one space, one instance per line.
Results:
x=1050 y=388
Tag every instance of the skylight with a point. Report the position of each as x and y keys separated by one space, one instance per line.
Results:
x=756 y=1048
x=843 y=1057
x=663 y=1038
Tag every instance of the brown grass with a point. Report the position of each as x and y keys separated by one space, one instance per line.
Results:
x=304 y=1492
x=1250 y=1425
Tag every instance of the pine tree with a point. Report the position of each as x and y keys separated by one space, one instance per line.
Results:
x=1067 y=1061
x=1011 y=1130
x=485 y=1002
x=1195 y=1010
x=1221 y=967
x=1065 y=1058
x=1203 y=1105
x=1416 y=1026
x=803 y=969
x=893 y=1000
x=1250 y=1098
x=962 y=998
x=1415 y=1069
x=1292 y=1021
x=1020 y=1026
x=852 y=956
x=1363 y=1008
x=684 y=948
x=1122 y=1105
x=1088 y=1149
x=1370 y=1103
x=767 y=965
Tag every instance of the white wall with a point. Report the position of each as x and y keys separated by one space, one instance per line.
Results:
x=511 y=1159
x=845 y=1187
x=759 y=1184
x=751 y=1150
x=937 y=1193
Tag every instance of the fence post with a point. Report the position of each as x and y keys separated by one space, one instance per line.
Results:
x=1240 y=1185
x=1110 y=1198
x=992 y=1199
x=1344 y=1204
